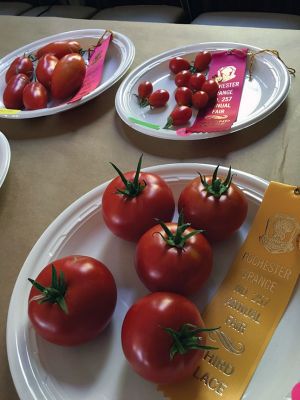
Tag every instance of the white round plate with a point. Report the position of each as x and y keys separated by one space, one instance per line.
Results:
x=4 y=157
x=261 y=96
x=118 y=60
x=98 y=369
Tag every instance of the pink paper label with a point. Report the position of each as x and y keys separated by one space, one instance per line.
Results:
x=228 y=68
x=94 y=70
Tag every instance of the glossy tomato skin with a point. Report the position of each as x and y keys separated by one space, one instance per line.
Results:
x=59 y=49
x=35 y=96
x=181 y=115
x=13 y=92
x=91 y=296
x=68 y=76
x=145 y=89
x=147 y=346
x=218 y=217
x=164 y=268
x=159 y=98
x=129 y=218
x=183 y=96
x=196 y=81
x=211 y=87
x=183 y=78
x=200 y=99
x=178 y=64
x=45 y=68
x=21 y=65
x=202 y=60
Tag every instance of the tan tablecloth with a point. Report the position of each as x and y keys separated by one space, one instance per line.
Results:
x=57 y=159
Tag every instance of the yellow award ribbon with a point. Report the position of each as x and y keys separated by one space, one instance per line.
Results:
x=250 y=301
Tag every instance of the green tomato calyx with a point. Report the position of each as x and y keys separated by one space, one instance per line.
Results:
x=217 y=187
x=188 y=338
x=54 y=293
x=132 y=188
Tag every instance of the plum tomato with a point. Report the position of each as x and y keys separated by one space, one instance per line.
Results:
x=196 y=81
x=211 y=87
x=200 y=99
x=145 y=89
x=159 y=98
x=45 y=68
x=13 y=92
x=59 y=49
x=35 y=96
x=21 y=65
x=182 y=78
x=132 y=202
x=202 y=60
x=163 y=337
x=178 y=64
x=68 y=76
x=183 y=96
x=214 y=204
x=173 y=257
x=179 y=116
x=72 y=300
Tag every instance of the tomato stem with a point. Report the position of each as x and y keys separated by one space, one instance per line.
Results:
x=217 y=187
x=169 y=123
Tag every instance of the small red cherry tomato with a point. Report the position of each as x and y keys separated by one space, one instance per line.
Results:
x=159 y=98
x=67 y=76
x=196 y=81
x=200 y=99
x=183 y=96
x=45 y=69
x=211 y=87
x=59 y=49
x=202 y=60
x=35 y=96
x=182 y=78
x=145 y=89
x=179 y=116
x=13 y=93
x=21 y=65
x=148 y=340
x=178 y=64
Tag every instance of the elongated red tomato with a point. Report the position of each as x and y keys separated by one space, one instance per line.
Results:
x=59 y=49
x=183 y=96
x=21 y=65
x=35 y=96
x=45 y=68
x=68 y=76
x=173 y=259
x=178 y=64
x=179 y=116
x=147 y=339
x=202 y=60
x=159 y=98
x=13 y=92
x=72 y=303
x=214 y=204
x=133 y=200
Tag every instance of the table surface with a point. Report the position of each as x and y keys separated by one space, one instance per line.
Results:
x=57 y=159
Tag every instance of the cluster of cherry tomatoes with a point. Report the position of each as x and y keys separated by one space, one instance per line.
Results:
x=55 y=72
x=163 y=335
x=193 y=89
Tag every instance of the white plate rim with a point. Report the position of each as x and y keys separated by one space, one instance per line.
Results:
x=4 y=145
x=120 y=40
x=180 y=51
x=72 y=218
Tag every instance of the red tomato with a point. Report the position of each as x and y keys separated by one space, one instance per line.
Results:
x=183 y=78
x=170 y=258
x=202 y=60
x=211 y=87
x=21 y=65
x=145 y=89
x=217 y=206
x=45 y=69
x=183 y=96
x=159 y=98
x=13 y=93
x=200 y=99
x=196 y=81
x=68 y=76
x=179 y=116
x=178 y=64
x=147 y=339
x=59 y=49
x=35 y=96
x=130 y=210
x=82 y=305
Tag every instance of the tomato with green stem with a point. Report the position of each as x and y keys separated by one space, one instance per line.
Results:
x=163 y=337
x=179 y=116
x=133 y=200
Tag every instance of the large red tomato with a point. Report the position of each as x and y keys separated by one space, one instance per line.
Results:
x=132 y=202
x=160 y=334
x=35 y=96
x=73 y=302
x=174 y=258
x=59 y=49
x=45 y=68
x=217 y=206
x=67 y=76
